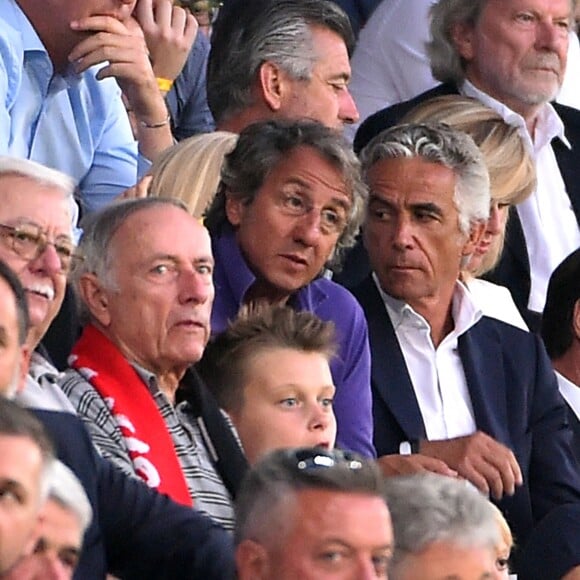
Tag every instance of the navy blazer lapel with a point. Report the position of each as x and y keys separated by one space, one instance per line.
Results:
x=481 y=355
x=390 y=378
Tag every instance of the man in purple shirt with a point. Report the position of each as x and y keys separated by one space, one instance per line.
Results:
x=290 y=201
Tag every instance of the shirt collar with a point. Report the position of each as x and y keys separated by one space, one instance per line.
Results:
x=570 y=392
x=464 y=310
x=40 y=368
x=240 y=278
x=147 y=377
x=549 y=125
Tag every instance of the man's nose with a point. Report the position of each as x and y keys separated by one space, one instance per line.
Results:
x=307 y=228
x=552 y=36
x=195 y=286
x=47 y=260
x=402 y=233
x=348 y=111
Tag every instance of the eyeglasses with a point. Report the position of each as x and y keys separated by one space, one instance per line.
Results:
x=311 y=458
x=29 y=242
x=333 y=217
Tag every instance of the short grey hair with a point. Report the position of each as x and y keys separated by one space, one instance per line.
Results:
x=428 y=508
x=262 y=146
x=439 y=143
x=43 y=176
x=66 y=490
x=95 y=246
x=447 y=66
x=276 y=479
x=249 y=34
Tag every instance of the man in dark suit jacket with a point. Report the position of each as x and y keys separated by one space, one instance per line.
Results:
x=474 y=394
x=517 y=73
x=561 y=334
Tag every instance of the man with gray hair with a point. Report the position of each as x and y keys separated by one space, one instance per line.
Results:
x=454 y=391
x=310 y=513
x=280 y=58
x=290 y=201
x=66 y=515
x=146 y=290
x=443 y=529
x=511 y=55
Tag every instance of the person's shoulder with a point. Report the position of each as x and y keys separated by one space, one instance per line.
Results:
x=390 y=116
x=513 y=340
x=339 y=304
x=569 y=115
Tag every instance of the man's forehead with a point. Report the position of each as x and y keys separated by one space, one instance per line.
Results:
x=160 y=226
x=528 y=4
x=308 y=166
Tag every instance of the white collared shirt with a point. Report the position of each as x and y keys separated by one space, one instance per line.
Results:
x=548 y=220
x=437 y=374
x=570 y=392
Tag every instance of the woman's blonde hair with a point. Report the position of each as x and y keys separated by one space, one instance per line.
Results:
x=511 y=168
x=190 y=170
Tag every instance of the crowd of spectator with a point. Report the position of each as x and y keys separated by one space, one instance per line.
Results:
x=256 y=325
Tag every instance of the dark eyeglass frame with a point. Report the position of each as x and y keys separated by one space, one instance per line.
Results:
x=312 y=458
x=28 y=241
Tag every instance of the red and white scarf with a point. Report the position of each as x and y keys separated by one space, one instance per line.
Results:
x=149 y=443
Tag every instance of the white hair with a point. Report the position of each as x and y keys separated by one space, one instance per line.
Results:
x=44 y=176
x=66 y=490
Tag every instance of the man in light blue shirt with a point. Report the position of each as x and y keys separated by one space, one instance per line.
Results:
x=58 y=108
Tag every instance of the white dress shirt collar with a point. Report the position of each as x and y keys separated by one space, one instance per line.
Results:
x=570 y=392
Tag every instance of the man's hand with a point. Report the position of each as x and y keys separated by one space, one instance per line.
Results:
x=139 y=190
x=489 y=465
x=392 y=465
x=121 y=45
x=169 y=33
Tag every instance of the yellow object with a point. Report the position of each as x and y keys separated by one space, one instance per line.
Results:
x=164 y=84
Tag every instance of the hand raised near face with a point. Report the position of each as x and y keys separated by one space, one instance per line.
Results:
x=121 y=46
x=393 y=465
x=489 y=465
x=169 y=33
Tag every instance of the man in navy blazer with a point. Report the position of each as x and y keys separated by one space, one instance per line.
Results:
x=511 y=56
x=452 y=389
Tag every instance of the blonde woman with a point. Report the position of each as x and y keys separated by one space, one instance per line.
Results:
x=190 y=170
x=512 y=179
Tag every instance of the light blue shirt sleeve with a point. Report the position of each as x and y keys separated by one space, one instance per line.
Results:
x=75 y=123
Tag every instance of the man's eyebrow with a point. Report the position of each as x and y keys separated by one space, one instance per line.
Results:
x=427 y=206
x=204 y=260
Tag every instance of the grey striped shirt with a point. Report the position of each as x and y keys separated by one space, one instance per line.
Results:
x=205 y=486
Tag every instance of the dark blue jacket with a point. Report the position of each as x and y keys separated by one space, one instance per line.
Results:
x=515 y=399
x=136 y=532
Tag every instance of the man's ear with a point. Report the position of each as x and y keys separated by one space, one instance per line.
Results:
x=235 y=209
x=272 y=79
x=462 y=37
x=476 y=232
x=576 y=320
x=95 y=298
x=251 y=561
x=25 y=354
